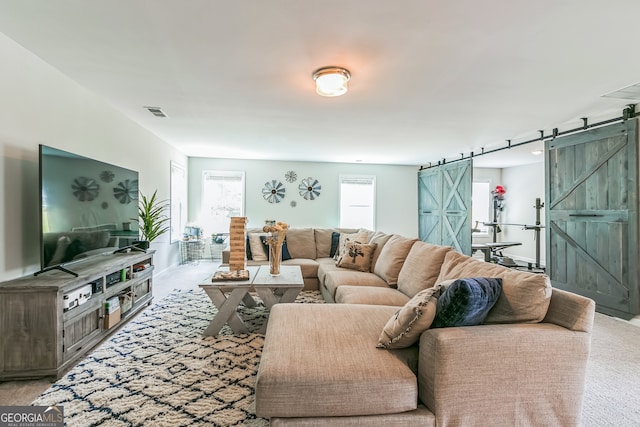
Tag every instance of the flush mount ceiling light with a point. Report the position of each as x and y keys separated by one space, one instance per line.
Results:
x=331 y=81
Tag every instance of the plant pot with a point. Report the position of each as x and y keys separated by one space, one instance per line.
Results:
x=142 y=244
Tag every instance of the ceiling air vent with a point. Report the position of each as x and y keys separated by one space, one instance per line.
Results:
x=156 y=111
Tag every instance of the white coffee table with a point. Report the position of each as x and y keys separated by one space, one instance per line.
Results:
x=227 y=295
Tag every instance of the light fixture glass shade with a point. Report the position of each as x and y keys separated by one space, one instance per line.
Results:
x=331 y=81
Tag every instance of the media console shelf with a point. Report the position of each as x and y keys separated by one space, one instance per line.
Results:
x=43 y=334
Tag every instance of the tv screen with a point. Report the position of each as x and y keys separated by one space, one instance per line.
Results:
x=88 y=207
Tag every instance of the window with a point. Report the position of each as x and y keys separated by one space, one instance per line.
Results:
x=357 y=201
x=480 y=207
x=222 y=198
x=178 y=212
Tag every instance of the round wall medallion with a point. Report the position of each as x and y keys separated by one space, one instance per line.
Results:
x=290 y=176
x=309 y=188
x=107 y=176
x=126 y=191
x=273 y=192
x=85 y=189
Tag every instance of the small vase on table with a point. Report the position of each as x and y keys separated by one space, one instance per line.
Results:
x=275 y=257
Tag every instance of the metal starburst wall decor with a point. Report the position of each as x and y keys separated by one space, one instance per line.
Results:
x=309 y=188
x=273 y=192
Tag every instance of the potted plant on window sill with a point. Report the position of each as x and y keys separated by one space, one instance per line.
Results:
x=153 y=221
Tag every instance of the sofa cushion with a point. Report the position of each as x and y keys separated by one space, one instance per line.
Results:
x=357 y=256
x=392 y=256
x=323 y=241
x=309 y=267
x=524 y=298
x=325 y=265
x=379 y=238
x=466 y=302
x=405 y=326
x=301 y=243
x=372 y=295
x=421 y=267
x=321 y=359
x=342 y=276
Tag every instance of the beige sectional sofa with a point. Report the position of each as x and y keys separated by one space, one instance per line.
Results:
x=322 y=365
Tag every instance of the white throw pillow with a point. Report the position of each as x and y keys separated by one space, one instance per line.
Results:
x=257 y=250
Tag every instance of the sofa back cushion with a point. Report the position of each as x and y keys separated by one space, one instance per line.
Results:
x=421 y=267
x=524 y=298
x=379 y=238
x=301 y=243
x=392 y=257
x=323 y=241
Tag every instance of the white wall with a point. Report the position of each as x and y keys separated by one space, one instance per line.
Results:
x=39 y=105
x=396 y=193
x=524 y=184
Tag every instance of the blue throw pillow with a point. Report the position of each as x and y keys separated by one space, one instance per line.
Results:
x=466 y=302
x=248 y=249
x=285 y=250
x=335 y=240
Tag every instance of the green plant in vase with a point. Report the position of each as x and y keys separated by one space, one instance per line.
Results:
x=153 y=221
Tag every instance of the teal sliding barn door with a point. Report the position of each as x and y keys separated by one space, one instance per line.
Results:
x=444 y=203
x=592 y=215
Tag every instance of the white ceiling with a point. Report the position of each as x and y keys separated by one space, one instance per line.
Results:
x=430 y=79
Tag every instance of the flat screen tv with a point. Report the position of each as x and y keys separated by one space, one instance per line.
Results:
x=87 y=208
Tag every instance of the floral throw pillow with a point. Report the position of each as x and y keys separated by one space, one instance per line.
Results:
x=357 y=256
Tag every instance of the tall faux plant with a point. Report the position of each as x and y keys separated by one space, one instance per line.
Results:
x=153 y=221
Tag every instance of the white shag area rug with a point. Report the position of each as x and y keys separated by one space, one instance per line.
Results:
x=160 y=371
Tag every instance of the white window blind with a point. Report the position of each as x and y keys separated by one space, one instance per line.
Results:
x=222 y=198
x=357 y=201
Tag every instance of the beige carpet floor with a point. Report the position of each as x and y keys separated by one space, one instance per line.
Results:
x=612 y=389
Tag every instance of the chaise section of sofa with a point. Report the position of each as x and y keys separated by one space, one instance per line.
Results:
x=321 y=360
